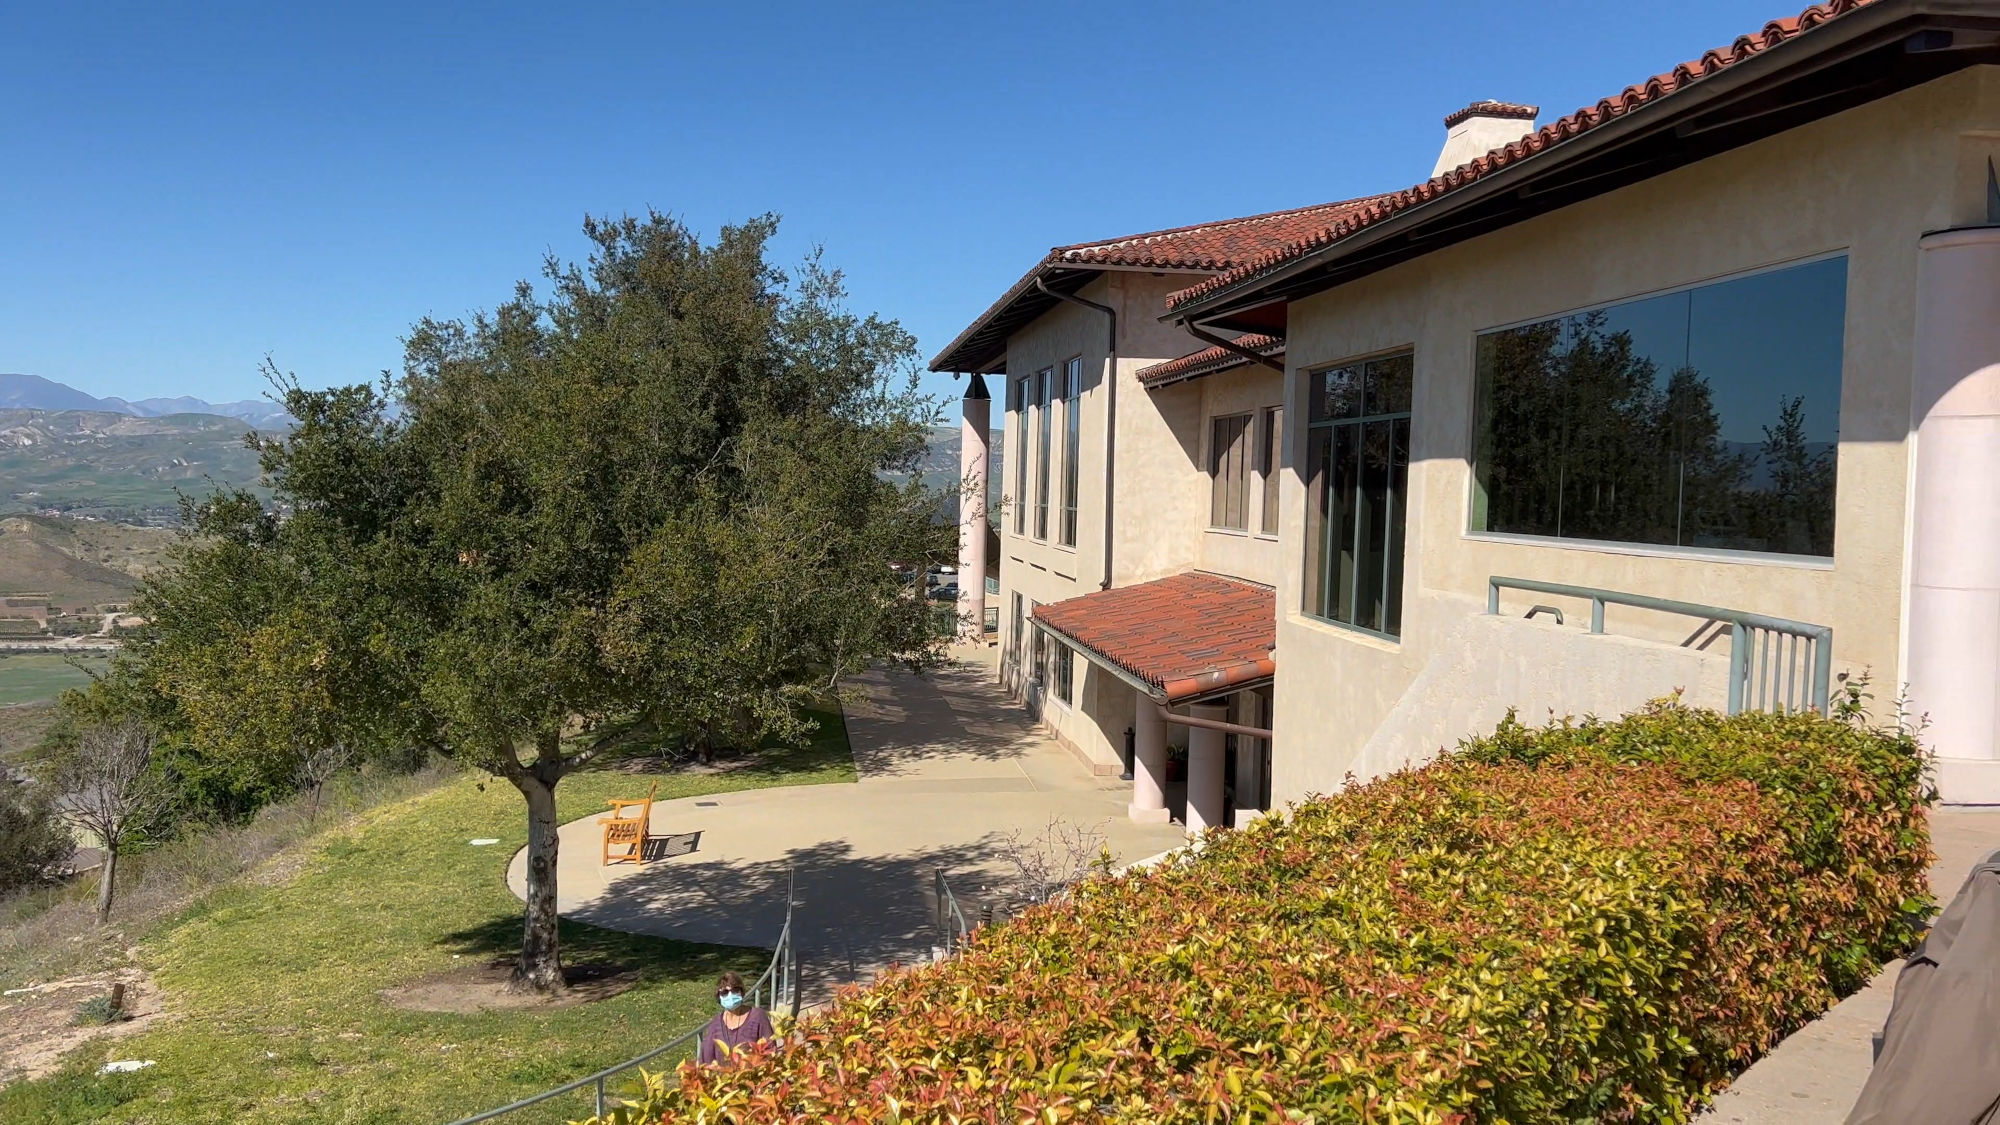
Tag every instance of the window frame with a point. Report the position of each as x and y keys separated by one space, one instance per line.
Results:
x=1238 y=478
x=1393 y=561
x=1271 y=455
x=1072 y=453
x=1044 y=383
x=1021 y=386
x=1471 y=500
x=1062 y=672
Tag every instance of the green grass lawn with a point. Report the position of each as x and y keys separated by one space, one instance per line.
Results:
x=31 y=677
x=272 y=989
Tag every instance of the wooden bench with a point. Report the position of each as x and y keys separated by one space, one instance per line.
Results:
x=625 y=836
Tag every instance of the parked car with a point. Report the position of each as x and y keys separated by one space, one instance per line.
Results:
x=945 y=593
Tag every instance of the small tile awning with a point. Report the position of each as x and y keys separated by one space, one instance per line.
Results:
x=1184 y=636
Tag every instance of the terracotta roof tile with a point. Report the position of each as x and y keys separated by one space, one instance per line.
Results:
x=1492 y=109
x=1185 y=636
x=1203 y=246
x=1547 y=137
x=1208 y=246
x=1208 y=361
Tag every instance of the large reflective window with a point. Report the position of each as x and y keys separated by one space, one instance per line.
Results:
x=1706 y=418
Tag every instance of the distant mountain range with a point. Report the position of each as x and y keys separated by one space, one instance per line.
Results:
x=32 y=392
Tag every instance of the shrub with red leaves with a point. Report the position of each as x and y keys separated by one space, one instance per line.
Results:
x=1584 y=922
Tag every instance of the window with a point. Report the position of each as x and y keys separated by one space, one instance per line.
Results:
x=1038 y=651
x=1705 y=418
x=1267 y=464
x=1229 y=472
x=1072 y=395
x=1357 y=487
x=1061 y=667
x=1022 y=396
x=1044 y=383
x=1018 y=638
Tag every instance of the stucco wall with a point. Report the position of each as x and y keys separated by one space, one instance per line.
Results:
x=1155 y=497
x=1867 y=182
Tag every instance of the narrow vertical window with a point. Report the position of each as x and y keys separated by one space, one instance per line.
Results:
x=1273 y=448
x=1072 y=393
x=1229 y=472
x=1357 y=489
x=1016 y=638
x=1044 y=384
x=1061 y=668
x=1022 y=396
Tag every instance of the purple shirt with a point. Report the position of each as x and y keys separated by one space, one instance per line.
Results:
x=719 y=1040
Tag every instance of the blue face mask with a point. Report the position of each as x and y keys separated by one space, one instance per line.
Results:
x=731 y=1001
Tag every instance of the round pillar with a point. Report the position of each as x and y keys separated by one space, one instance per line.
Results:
x=974 y=455
x=1206 y=756
x=1954 y=619
x=1149 y=761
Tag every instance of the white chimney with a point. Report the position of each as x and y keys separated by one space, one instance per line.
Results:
x=1480 y=128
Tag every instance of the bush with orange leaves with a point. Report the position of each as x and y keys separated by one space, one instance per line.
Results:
x=1583 y=922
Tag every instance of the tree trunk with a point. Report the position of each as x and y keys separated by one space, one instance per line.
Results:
x=104 y=885
x=540 y=966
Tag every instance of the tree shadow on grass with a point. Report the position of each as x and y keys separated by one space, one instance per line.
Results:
x=657 y=960
x=824 y=748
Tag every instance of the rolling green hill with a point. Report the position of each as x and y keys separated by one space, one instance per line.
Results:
x=117 y=467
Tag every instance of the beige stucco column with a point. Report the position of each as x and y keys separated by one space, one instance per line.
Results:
x=1149 y=761
x=1206 y=757
x=974 y=455
x=1953 y=668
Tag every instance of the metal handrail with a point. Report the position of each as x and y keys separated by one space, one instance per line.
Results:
x=781 y=975
x=951 y=925
x=1804 y=652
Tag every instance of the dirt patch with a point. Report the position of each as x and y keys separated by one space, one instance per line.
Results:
x=486 y=988
x=38 y=1027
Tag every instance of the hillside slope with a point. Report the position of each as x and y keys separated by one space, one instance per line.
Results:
x=116 y=466
x=38 y=558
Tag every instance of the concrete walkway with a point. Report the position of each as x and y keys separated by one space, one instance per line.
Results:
x=1814 y=1076
x=948 y=770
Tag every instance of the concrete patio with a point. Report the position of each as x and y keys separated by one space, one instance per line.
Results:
x=948 y=770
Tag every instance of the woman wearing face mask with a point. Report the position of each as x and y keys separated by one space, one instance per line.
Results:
x=736 y=1026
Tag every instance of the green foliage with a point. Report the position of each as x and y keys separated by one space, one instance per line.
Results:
x=655 y=500
x=1600 y=921
x=275 y=983
x=34 y=846
x=99 y=1010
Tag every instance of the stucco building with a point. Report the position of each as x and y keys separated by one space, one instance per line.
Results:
x=1709 y=368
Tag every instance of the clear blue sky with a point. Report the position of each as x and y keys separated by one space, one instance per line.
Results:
x=184 y=193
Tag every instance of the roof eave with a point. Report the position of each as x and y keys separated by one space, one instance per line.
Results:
x=1863 y=29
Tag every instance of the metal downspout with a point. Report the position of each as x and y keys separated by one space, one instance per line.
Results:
x=1110 y=411
x=1212 y=724
x=1207 y=337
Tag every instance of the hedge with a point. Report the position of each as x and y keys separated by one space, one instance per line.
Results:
x=1582 y=922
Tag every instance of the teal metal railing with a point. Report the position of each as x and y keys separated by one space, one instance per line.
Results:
x=779 y=982
x=951 y=928
x=1775 y=663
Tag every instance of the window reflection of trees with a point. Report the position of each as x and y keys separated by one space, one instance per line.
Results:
x=1581 y=437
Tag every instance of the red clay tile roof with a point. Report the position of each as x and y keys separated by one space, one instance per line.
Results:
x=1492 y=109
x=1547 y=137
x=1186 y=635
x=1208 y=246
x=1203 y=246
x=1209 y=360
